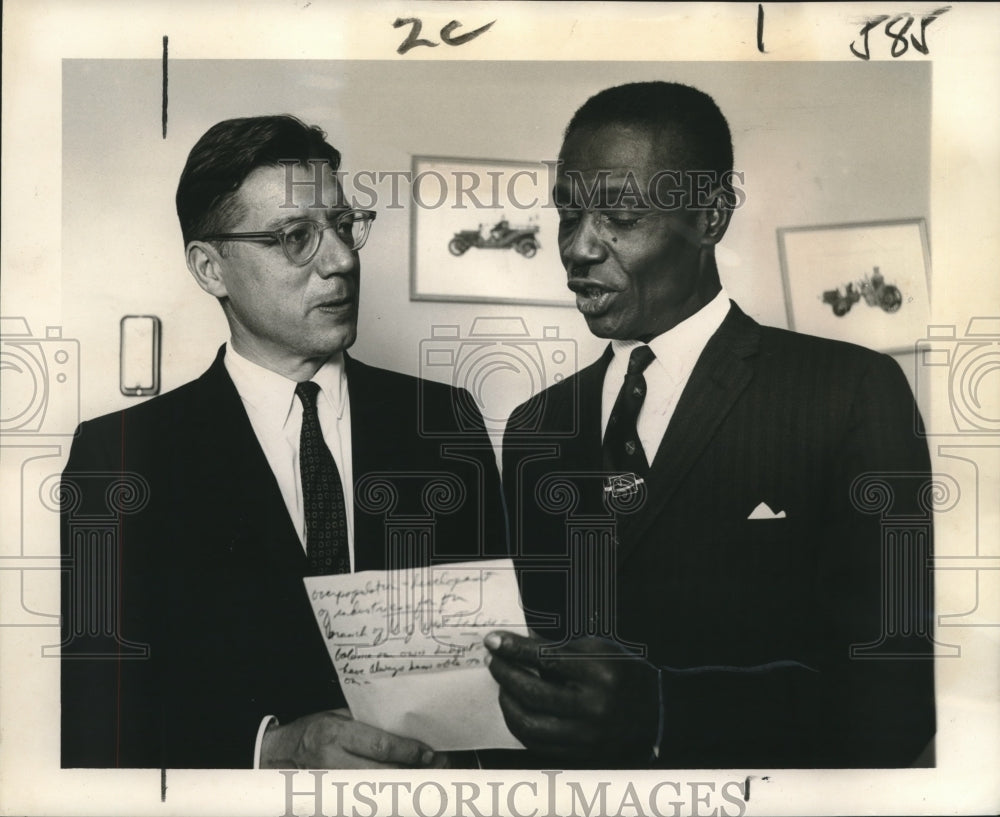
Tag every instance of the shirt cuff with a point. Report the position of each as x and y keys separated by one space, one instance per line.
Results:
x=269 y=719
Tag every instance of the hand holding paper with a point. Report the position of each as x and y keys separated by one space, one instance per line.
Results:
x=588 y=698
x=334 y=740
x=408 y=648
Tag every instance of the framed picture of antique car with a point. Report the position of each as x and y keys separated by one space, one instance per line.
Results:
x=484 y=230
x=864 y=283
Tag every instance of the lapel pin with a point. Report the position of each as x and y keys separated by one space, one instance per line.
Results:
x=622 y=485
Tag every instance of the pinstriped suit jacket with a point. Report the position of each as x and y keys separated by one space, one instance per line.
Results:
x=753 y=620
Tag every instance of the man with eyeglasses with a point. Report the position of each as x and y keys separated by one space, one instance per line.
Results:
x=248 y=479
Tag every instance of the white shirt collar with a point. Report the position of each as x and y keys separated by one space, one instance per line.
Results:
x=678 y=349
x=271 y=395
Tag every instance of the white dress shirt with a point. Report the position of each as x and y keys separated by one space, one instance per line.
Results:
x=276 y=416
x=677 y=351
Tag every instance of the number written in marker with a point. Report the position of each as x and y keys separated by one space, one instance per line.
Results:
x=896 y=28
x=448 y=36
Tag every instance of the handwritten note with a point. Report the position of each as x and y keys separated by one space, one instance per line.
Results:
x=408 y=648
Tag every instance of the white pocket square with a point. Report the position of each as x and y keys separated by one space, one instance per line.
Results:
x=762 y=511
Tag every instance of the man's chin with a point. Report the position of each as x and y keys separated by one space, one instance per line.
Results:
x=336 y=342
x=601 y=327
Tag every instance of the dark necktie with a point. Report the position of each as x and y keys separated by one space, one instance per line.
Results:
x=622 y=450
x=322 y=493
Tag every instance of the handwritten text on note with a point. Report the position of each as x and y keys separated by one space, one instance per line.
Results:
x=408 y=648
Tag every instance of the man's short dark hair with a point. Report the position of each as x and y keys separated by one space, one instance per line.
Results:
x=665 y=106
x=228 y=152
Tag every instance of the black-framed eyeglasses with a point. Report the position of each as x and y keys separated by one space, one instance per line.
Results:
x=300 y=240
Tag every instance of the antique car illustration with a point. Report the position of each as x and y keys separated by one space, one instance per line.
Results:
x=873 y=289
x=500 y=237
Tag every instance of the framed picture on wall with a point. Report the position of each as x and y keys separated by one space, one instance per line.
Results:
x=864 y=283
x=484 y=230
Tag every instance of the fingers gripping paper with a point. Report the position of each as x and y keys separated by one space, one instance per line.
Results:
x=408 y=648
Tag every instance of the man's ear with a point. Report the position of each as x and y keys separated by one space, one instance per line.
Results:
x=716 y=218
x=205 y=264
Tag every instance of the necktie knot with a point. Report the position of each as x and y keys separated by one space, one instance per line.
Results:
x=307 y=393
x=640 y=358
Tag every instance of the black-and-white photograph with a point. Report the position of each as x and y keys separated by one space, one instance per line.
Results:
x=436 y=417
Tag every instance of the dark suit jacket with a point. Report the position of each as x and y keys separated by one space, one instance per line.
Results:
x=753 y=621
x=193 y=560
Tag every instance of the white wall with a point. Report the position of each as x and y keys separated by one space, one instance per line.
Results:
x=814 y=150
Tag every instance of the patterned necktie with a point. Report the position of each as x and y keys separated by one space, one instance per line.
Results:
x=622 y=450
x=322 y=493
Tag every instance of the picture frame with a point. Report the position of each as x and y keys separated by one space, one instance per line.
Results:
x=861 y=282
x=484 y=231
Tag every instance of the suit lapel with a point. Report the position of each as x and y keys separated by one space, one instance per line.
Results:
x=587 y=408
x=579 y=457
x=248 y=490
x=370 y=409
x=722 y=372
x=375 y=419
